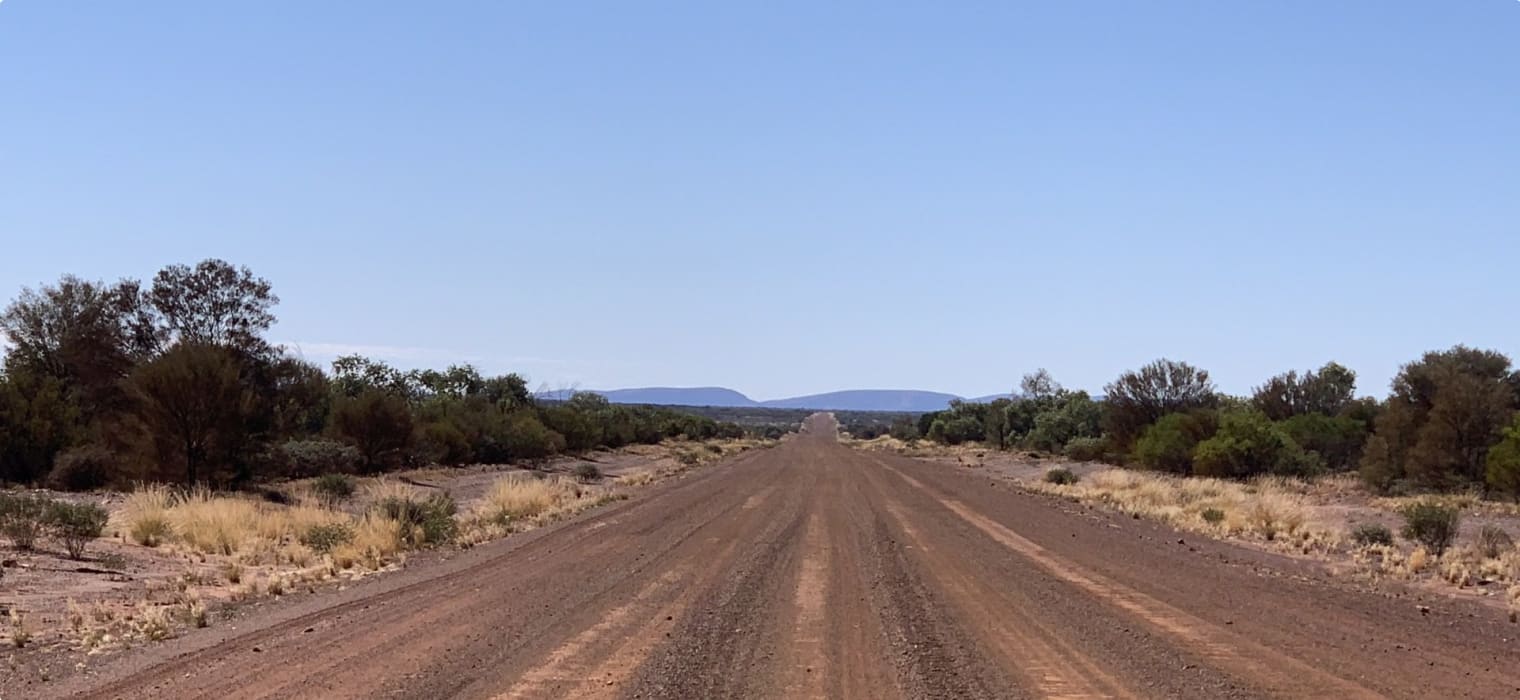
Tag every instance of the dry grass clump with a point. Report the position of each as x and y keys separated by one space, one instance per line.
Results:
x=516 y=498
x=147 y=515
x=1270 y=509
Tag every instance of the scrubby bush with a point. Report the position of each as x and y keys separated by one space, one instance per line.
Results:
x=1212 y=516
x=23 y=518
x=76 y=524
x=1369 y=534
x=1338 y=440
x=1247 y=444
x=1503 y=463
x=1061 y=476
x=326 y=537
x=586 y=471
x=83 y=468
x=425 y=521
x=1168 y=445
x=1086 y=449
x=1431 y=523
x=1139 y=399
x=1493 y=541
x=333 y=488
x=303 y=458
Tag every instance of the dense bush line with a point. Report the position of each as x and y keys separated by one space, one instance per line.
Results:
x=174 y=380
x=1450 y=421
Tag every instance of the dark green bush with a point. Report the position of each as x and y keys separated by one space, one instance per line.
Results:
x=1061 y=476
x=1247 y=444
x=1502 y=466
x=325 y=538
x=586 y=471
x=303 y=458
x=1431 y=524
x=1086 y=449
x=333 y=488
x=1168 y=445
x=1368 y=534
x=76 y=524
x=23 y=518
x=1212 y=516
x=84 y=468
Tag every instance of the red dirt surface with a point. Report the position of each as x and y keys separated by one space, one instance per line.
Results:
x=810 y=571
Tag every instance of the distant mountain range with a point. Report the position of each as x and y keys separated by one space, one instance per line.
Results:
x=909 y=401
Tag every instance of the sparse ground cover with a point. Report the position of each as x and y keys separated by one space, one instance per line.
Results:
x=1333 y=519
x=170 y=560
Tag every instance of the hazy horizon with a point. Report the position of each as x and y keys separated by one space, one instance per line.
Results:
x=796 y=198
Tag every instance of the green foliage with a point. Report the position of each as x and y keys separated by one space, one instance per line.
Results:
x=1502 y=473
x=1445 y=411
x=378 y=424
x=1431 y=523
x=586 y=471
x=23 y=518
x=961 y=423
x=1061 y=476
x=1069 y=416
x=333 y=488
x=194 y=408
x=1338 y=440
x=325 y=538
x=1087 y=449
x=1368 y=534
x=83 y=468
x=1168 y=445
x=1247 y=444
x=1212 y=516
x=1326 y=392
x=76 y=524
x=425 y=521
x=1138 y=399
x=311 y=457
x=904 y=429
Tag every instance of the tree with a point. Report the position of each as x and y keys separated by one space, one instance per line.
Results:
x=194 y=406
x=1337 y=440
x=995 y=426
x=354 y=375
x=214 y=303
x=37 y=422
x=1329 y=391
x=1247 y=443
x=1039 y=385
x=86 y=335
x=1445 y=411
x=377 y=423
x=1140 y=398
x=1075 y=415
x=1503 y=471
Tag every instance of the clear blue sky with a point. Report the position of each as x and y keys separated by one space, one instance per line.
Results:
x=791 y=197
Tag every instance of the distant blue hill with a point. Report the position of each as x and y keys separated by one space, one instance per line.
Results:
x=670 y=396
x=909 y=401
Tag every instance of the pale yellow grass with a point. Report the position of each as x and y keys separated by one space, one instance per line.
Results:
x=1268 y=509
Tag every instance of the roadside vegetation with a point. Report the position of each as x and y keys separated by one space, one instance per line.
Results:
x=1283 y=466
x=193 y=444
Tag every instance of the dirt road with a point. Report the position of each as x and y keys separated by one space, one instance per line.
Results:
x=811 y=571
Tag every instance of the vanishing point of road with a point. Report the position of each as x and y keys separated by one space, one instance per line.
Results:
x=810 y=570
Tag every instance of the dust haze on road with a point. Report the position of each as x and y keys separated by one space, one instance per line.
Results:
x=810 y=570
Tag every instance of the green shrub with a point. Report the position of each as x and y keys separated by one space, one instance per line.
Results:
x=586 y=471
x=333 y=488
x=426 y=521
x=1368 y=534
x=1493 y=541
x=23 y=518
x=1502 y=472
x=1247 y=444
x=1431 y=524
x=303 y=458
x=1086 y=449
x=325 y=538
x=1212 y=516
x=1061 y=476
x=76 y=524
x=83 y=469
x=1168 y=445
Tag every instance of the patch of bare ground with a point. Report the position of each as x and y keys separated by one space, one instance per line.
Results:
x=173 y=561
